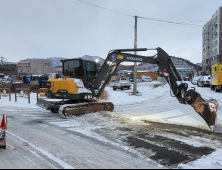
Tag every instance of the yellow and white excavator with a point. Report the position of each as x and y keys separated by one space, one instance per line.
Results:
x=83 y=83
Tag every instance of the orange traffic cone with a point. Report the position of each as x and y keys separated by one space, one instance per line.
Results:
x=43 y=92
x=40 y=92
x=3 y=125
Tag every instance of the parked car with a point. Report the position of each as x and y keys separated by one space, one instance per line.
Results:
x=146 y=79
x=204 y=81
x=139 y=80
x=195 y=79
x=131 y=80
x=4 y=80
x=186 y=78
x=123 y=83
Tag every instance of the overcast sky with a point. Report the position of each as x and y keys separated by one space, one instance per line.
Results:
x=74 y=28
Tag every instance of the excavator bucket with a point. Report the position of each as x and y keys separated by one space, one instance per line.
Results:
x=207 y=109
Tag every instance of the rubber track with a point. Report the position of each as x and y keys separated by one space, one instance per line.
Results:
x=82 y=108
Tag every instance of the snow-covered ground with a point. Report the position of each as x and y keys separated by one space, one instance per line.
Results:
x=149 y=96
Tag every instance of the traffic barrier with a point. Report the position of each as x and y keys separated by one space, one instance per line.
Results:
x=3 y=128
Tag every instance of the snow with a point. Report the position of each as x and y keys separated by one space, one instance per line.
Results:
x=122 y=98
x=80 y=85
x=212 y=161
x=63 y=164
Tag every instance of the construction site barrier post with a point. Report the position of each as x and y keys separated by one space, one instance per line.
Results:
x=22 y=89
x=9 y=92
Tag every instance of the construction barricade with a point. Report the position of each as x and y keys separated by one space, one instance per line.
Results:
x=3 y=128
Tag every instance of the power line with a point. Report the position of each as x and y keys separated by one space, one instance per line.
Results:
x=172 y=22
x=105 y=8
x=173 y=29
x=181 y=22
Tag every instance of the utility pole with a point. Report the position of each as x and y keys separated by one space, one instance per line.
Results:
x=135 y=65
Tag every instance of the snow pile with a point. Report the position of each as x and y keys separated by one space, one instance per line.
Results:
x=80 y=85
x=212 y=161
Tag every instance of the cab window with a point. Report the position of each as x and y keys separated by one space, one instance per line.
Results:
x=73 y=68
x=91 y=71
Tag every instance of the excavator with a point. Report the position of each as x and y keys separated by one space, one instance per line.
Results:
x=84 y=81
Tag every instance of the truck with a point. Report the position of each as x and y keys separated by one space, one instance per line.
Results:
x=122 y=84
x=26 y=79
x=39 y=81
x=83 y=83
x=216 y=78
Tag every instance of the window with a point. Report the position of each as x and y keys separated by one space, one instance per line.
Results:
x=214 y=35
x=73 y=68
x=214 y=27
x=214 y=51
x=46 y=64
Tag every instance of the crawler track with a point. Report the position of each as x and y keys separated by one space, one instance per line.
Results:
x=82 y=108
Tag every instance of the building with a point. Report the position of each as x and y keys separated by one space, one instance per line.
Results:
x=35 y=67
x=141 y=73
x=186 y=72
x=124 y=73
x=212 y=42
x=58 y=70
x=183 y=72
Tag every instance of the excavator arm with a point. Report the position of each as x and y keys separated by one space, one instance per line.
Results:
x=207 y=109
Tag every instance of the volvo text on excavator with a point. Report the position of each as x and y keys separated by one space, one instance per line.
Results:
x=83 y=82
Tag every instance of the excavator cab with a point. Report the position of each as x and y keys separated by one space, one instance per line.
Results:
x=80 y=69
x=77 y=75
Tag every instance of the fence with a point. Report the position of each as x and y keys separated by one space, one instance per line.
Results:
x=9 y=91
x=17 y=89
x=23 y=90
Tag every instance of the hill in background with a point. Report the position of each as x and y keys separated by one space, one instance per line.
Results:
x=140 y=66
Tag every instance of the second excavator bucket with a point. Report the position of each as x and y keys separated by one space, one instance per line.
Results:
x=207 y=109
